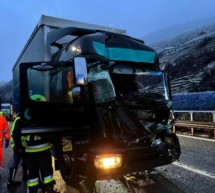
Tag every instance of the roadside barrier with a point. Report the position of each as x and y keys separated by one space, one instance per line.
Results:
x=195 y=121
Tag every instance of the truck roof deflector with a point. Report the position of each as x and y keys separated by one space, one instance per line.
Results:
x=55 y=35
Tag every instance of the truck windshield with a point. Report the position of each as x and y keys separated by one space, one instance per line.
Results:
x=57 y=84
x=141 y=89
x=54 y=85
x=152 y=103
x=144 y=81
x=152 y=83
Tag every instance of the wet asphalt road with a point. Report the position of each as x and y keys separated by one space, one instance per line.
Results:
x=7 y=161
x=198 y=172
x=199 y=155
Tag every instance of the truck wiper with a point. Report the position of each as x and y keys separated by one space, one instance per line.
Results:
x=103 y=65
x=108 y=65
x=43 y=67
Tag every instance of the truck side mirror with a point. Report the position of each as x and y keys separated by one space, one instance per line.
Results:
x=80 y=70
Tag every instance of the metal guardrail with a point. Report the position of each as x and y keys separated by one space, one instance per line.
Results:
x=196 y=111
x=196 y=125
x=210 y=126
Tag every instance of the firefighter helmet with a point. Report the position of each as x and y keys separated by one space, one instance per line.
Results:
x=38 y=97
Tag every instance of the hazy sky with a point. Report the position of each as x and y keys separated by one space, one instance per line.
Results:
x=18 y=18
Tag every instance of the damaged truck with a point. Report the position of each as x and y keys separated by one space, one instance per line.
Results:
x=99 y=95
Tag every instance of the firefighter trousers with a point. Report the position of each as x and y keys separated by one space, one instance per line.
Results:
x=17 y=157
x=40 y=168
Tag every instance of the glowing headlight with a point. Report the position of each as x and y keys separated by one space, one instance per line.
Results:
x=108 y=161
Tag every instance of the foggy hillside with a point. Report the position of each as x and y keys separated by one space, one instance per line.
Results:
x=189 y=59
x=173 y=31
x=6 y=91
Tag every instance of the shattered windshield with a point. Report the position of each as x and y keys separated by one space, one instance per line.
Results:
x=144 y=90
x=150 y=103
x=152 y=84
x=102 y=85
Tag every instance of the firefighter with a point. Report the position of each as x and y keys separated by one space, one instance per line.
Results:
x=4 y=134
x=18 y=154
x=38 y=159
x=39 y=162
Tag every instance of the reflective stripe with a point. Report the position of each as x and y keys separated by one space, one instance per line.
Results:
x=48 y=179
x=24 y=143
x=28 y=138
x=22 y=137
x=13 y=125
x=33 y=182
x=36 y=138
x=38 y=148
x=12 y=144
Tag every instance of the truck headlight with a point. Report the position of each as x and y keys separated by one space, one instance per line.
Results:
x=108 y=161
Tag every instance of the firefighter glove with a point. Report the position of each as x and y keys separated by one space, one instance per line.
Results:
x=7 y=142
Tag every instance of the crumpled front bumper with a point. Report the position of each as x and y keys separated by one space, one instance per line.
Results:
x=133 y=160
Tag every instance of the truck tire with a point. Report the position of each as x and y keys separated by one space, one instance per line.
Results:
x=69 y=173
x=67 y=169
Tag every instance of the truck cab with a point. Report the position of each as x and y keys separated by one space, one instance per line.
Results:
x=102 y=100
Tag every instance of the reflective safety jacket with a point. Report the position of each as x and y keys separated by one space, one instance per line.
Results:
x=32 y=143
x=23 y=139
x=36 y=143
x=4 y=129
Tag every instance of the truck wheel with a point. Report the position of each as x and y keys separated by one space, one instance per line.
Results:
x=69 y=173
x=67 y=169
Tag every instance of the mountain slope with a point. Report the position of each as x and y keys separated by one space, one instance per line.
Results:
x=189 y=59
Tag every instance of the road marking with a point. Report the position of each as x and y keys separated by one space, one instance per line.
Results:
x=200 y=138
x=194 y=170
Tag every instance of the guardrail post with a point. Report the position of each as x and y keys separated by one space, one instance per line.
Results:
x=173 y=129
x=192 y=131
x=191 y=116
x=213 y=131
